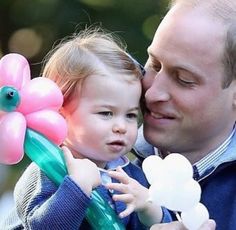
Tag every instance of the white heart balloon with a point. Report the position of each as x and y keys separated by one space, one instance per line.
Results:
x=183 y=196
x=177 y=168
x=152 y=167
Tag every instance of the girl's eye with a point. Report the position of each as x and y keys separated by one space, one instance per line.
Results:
x=106 y=114
x=133 y=116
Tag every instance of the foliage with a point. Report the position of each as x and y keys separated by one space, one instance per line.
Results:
x=40 y=23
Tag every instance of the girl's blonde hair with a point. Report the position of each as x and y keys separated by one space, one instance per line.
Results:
x=86 y=54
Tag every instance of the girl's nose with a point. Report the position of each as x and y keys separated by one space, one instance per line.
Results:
x=119 y=127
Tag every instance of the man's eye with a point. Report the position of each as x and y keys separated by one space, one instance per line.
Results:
x=106 y=114
x=154 y=67
x=186 y=82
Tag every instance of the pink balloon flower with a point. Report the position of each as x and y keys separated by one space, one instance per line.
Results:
x=26 y=103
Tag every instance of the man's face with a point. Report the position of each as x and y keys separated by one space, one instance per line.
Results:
x=188 y=111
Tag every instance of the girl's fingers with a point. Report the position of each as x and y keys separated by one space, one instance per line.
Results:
x=122 y=188
x=126 y=198
x=120 y=175
x=67 y=154
x=126 y=212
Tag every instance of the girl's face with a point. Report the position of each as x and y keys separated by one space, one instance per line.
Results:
x=103 y=125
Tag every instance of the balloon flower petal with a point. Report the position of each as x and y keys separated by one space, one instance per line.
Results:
x=14 y=70
x=40 y=93
x=49 y=123
x=12 y=134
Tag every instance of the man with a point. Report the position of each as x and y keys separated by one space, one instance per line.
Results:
x=190 y=99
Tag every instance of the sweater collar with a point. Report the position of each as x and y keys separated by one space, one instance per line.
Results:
x=112 y=165
x=213 y=158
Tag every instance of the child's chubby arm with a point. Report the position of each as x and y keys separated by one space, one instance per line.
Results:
x=136 y=198
x=84 y=172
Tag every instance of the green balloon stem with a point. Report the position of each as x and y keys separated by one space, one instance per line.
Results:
x=101 y=216
x=49 y=157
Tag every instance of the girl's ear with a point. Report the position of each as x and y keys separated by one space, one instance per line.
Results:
x=234 y=97
x=63 y=111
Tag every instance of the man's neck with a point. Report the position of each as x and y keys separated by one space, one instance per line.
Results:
x=196 y=155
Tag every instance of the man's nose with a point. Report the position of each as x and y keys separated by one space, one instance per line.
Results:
x=158 y=89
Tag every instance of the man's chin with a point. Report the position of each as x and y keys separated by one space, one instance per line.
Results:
x=151 y=135
x=154 y=137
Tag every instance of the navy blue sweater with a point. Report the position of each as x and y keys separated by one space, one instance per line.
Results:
x=219 y=195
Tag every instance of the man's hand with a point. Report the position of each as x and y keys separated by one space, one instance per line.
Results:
x=208 y=225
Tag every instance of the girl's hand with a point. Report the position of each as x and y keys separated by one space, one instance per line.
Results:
x=84 y=172
x=132 y=193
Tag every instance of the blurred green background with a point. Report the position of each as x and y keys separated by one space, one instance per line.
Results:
x=31 y=27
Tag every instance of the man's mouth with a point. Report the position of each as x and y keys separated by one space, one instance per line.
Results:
x=161 y=115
